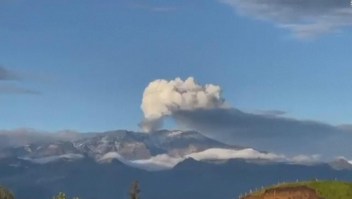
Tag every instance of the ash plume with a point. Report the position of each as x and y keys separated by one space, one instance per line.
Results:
x=162 y=98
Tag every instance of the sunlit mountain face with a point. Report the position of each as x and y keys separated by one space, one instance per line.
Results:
x=165 y=162
x=157 y=150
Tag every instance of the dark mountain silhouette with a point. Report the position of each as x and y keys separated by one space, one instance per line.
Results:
x=190 y=179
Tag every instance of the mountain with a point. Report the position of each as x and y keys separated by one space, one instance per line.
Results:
x=134 y=145
x=189 y=179
x=149 y=151
x=341 y=164
x=168 y=164
x=157 y=150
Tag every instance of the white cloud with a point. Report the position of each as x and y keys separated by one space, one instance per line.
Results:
x=225 y=154
x=305 y=159
x=155 y=163
x=159 y=162
x=44 y=160
x=111 y=155
x=306 y=18
x=165 y=161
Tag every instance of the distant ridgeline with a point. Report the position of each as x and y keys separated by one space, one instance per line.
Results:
x=304 y=190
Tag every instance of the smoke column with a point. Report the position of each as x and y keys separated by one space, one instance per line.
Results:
x=163 y=98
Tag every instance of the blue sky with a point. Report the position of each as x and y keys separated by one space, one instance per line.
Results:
x=89 y=61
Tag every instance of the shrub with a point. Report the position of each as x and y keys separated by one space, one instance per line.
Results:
x=6 y=194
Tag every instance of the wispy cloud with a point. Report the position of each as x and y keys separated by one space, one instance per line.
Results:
x=9 y=89
x=12 y=87
x=153 y=7
x=5 y=74
x=167 y=161
x=272 y=113
x=307 y=18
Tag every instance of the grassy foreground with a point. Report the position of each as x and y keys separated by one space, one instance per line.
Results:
x=325 y=189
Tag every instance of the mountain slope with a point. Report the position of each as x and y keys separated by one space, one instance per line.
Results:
x=157 y=150
x=101 y=165
x=190 y=179
x=134 y=145
x=309 y=189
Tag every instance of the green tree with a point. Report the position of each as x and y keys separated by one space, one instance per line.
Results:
x=135 y=190
x=6 y=194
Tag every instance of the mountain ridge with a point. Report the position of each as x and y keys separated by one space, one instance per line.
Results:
x=159 y=150
x=132 y=148
x=87 y=178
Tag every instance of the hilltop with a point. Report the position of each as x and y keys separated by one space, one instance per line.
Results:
x=305 y=190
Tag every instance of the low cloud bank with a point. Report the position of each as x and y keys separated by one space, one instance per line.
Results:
x=225 y=154
x=166 y=161
x=45 y=160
